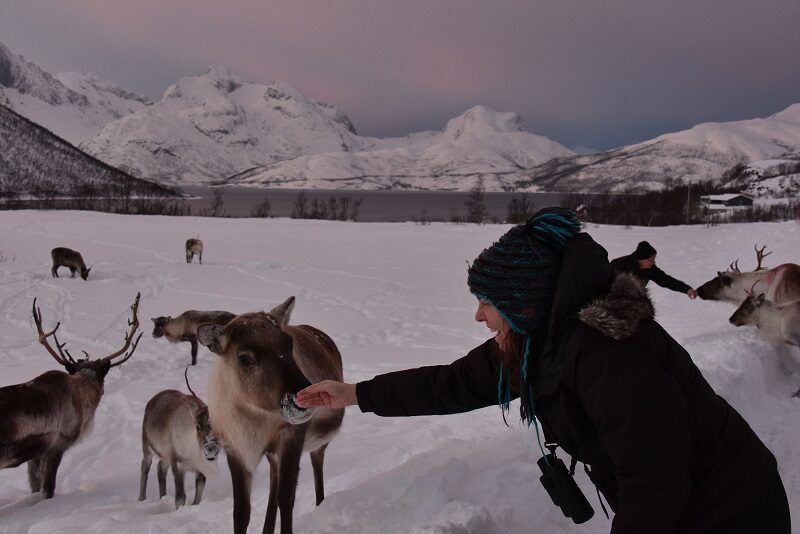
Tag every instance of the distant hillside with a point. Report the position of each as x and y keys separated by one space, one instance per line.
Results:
x=34 y=161
x=481 y=142
x=705 y=152
x=71 y=105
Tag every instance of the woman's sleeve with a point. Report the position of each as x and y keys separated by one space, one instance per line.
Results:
x=640 y=414
x=466 y=384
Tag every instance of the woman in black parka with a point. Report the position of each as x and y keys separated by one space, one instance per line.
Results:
x=582 y=351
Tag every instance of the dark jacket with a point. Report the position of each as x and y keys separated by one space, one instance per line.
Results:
x=616 y=391
x=629 y=264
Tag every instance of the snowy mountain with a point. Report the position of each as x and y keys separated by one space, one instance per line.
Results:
x=34 y=161
x=703 y=152
x=480 y=142
x=211 y=126
x=71 y=105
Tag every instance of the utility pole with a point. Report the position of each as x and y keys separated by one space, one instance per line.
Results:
x=688 y=199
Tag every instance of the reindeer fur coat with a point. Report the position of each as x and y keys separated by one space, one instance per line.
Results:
x=614 y=390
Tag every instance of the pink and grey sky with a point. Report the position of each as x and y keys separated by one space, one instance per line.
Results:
x=596 y=73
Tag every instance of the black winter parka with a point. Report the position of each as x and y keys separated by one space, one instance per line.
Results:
x=614 y=390
x=630 y=264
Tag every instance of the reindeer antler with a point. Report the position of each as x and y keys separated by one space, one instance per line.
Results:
x=134 y=324
x=734 y=267
x=63 y=356
x=752 y=291
x=760 y=255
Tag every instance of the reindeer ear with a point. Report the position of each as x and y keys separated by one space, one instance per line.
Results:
x=762 y=298
x=212 y=336
x=154 y=320
x=283 y=312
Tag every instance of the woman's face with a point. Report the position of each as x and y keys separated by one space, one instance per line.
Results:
x=494 y=321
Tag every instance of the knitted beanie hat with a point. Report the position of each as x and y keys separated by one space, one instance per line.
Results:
x=518 y=274
x=644 y=250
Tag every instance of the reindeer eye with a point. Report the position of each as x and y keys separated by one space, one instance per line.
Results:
x=244 y=359
x=726 y=280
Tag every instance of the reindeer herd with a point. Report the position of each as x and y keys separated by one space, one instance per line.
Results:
x=262 y=362
x=767 y=298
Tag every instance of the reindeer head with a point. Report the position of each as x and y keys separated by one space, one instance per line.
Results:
x=730 y=284
x=85 y=272
x=257 y=356
x=160 y=325
x=99 y=367
x=746 y=311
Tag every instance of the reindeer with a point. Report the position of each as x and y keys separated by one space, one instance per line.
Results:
x=194 y=246
x=779 y=285
x=263 y=362
x=776 y=323
x=66 y=257
x=184 y=326
x=176 y=428
x=41 y=419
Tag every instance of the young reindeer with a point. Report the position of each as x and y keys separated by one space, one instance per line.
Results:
x=263 y=362
x=66 y=257
x=42 y=418
x=776 y=323
x=779 y=285
x=176 y=428
x=184 y=326
x=194 y=246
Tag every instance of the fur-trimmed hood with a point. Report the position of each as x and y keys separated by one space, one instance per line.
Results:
x=618 y=313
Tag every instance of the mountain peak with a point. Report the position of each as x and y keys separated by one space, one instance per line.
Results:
x=481 y=120
x=222 y=78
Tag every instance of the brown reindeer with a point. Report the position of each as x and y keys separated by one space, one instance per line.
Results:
x=263 y=362
x=779 y=285
x=176 y=428
x=66 y=257
x=184 y=326
x=42 y=418
x=194 y=246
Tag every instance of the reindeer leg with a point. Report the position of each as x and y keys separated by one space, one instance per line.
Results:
x=162 y=477
x=287 y=479
x=180 y=491
x=200 y=256
x=242 y=481
x=272 y=502
x=71 y=272
x=199 y=486
x=50 y=468
x=147 y=461
x=193 y=340
x=317 y=458
x=54 y=271
x=35 y=474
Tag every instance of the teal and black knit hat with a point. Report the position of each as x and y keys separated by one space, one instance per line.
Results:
x=518 y=275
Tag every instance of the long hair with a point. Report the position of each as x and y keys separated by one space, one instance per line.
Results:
x=510 y=355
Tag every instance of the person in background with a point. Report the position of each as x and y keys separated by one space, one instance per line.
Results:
x=642 y=264
x=579 y=346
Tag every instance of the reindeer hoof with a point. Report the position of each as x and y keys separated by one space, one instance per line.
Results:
x=293 y=413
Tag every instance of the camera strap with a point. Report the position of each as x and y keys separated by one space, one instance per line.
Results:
x=599 y=497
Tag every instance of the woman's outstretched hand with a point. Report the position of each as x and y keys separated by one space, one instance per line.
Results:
x=327 y=394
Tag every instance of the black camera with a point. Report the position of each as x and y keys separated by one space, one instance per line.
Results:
x=563 y=490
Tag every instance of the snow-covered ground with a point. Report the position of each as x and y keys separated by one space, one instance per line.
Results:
x=391 y=296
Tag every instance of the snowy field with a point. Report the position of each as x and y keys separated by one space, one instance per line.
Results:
x=391 y=296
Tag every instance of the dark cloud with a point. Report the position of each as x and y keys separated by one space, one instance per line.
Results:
x=584 y=72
